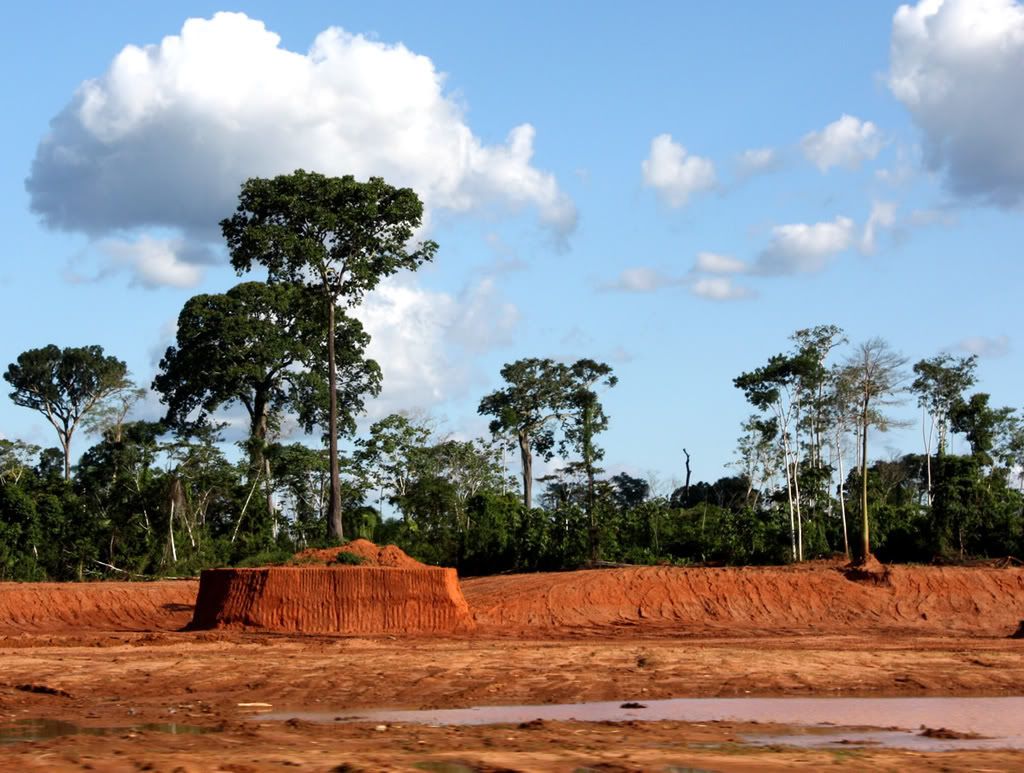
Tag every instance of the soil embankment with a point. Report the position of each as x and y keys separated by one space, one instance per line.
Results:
x=931 y=601
x=741 y=601
x=333 y=599
x=54 y=607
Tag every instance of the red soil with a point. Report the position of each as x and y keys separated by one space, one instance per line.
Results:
x=955 y=601
x=940 y=600
x=372 y=555
x=333 y=599
x=95 y=606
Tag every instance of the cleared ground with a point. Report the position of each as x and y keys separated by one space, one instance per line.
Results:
x=112 y=656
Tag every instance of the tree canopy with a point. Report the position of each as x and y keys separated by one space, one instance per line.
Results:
x=335 y=235
x=65 y=385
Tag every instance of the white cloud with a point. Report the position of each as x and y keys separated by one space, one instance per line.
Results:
x=957 y=66
x=165 y=137
x=641 y=279
x=713 y=263
x=847 y=142
x=982 y=346
x=757 y=161
x=799 y=248
x=883 y=216
x=674 y=174
x=417 y=334
x=155 y=262
x=720 y=288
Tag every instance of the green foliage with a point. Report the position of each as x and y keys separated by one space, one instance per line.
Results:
x=337 y=238
x=65 y=385
x=162 y=499
x=348 y=559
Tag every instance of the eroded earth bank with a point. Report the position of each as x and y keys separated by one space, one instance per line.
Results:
x=114 y=662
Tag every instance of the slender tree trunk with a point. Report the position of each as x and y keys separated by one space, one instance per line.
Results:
x=789 y=495
x=927 y=436
x=799 y=516
x=271 y=508
x=796 y=485
x=686 y=485
x=66 y=444
x=588 y=463
x=842 y=505
x=170 y=532
x=866 y=546
x=334 y=527
x=259 y=464
x=527 y=460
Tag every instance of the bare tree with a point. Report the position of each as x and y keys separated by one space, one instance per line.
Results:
x=874 y=373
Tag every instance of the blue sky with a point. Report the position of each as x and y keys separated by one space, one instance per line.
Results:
x=672 y=188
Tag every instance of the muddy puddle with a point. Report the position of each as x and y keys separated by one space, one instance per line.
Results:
x=954 y=723
x=45 y=729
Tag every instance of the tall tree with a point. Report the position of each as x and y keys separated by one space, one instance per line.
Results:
x=65 y=385
x=874 y=374
x=536 y=396
x=814 y=346
x=940 y=384
x=389 y=457
x=842 y=408
x=260 y=345
x=983 y=425
x=335 y=235
x=775 y=387
x=585 y=419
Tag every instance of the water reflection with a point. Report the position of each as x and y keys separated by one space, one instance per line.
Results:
x=1000 y=721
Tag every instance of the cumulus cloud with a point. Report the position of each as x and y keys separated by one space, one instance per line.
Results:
x=713 y=263
x=799 y=248
x=642 y=279
x=149 y=261
x=757 y=161
x=847 y=142
x=956 y=66
x=719 y=288
x=675 y=174
x=165 y=137
x=999 y=346
x=420 y=338
x=882 y=217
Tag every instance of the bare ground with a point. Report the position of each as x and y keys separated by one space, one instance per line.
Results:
x=121 y=670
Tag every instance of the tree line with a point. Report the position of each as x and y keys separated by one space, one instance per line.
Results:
x=163 y=497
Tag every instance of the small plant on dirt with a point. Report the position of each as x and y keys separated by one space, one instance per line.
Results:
x=348 y=559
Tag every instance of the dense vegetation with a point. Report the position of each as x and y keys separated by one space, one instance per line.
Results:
x=168 y=497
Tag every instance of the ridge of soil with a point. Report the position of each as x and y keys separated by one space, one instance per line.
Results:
x=918 y=600
x=739 y=601
x=161 y=605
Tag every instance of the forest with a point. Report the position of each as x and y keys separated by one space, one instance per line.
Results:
x=170 y=497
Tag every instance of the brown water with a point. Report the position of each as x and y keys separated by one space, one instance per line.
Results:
x=893 y=721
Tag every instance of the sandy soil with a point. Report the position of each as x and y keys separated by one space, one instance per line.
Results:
x=129 y=666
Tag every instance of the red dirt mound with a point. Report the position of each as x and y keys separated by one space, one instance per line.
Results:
x=940 y=600
x=333 y=599
x=95 y=606
x=372 y=555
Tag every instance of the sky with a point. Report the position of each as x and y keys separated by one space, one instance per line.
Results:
x=671 y=188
